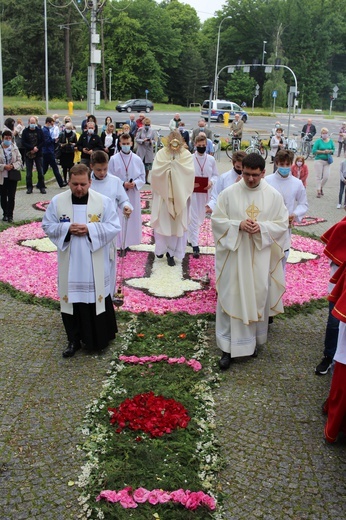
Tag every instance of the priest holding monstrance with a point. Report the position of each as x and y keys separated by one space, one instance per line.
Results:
x=249 y=225
x=172 y=183
x=82 y=224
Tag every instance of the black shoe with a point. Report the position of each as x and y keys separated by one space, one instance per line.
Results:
x=63 y=184
x=72 y=348
x=122 y=252
x=5 y=218
x=170 y=260
x=42 y=190
x=270 y=320
x=159 y=256
x=29 y=190
x=324 y=366
x=225 y=361
x=195 y=250
x=10 y=219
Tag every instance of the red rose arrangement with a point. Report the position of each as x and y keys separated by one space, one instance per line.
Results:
x=149 y=413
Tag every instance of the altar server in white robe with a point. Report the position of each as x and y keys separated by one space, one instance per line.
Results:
x=205 y=168
x=226 y=179
x=249 y=224
x=172 y=182
x=111 y=187
x=292 y=191
x=82 y=224
x=129 y=168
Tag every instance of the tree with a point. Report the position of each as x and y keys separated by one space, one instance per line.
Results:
x=241 y=87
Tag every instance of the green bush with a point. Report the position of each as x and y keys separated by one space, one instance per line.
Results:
x=13 y=109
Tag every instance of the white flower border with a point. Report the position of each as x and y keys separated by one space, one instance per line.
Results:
x=96 y=435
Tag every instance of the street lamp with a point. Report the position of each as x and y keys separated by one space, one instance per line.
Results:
x=264 y=51
x=110 y=84
x=217 y=58
x=46 y=56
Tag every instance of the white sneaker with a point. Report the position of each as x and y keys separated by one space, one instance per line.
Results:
x=338 y=206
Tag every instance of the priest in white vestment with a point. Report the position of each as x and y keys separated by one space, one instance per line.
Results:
x=129 y=168
x=111 y=187
x=172 y=183
x=82 y=224
x=249 y=225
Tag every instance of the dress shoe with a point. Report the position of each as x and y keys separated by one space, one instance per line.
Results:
x=195 y=250
x=5 y=218
x=170 y=260
x=159 y=256
x=42 y=190
x=123 y=252
x=225 y=361
x=10 y=219
x=29 y=190
x=72 y=348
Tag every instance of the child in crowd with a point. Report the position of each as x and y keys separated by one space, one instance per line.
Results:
x=300 y=170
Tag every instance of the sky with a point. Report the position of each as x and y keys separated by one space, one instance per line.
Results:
x=205 y=8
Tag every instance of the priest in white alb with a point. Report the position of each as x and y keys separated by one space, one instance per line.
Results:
x=249 y=225
x=82 y=224
x=172 y=183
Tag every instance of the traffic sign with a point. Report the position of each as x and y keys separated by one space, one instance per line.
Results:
x=275 y=93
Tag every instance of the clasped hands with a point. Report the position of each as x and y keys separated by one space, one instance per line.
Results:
x=249 y=226
x=79 y=230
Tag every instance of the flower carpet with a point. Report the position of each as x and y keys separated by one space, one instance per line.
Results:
x=29 y=264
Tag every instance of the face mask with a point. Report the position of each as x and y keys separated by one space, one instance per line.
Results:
x=6 y=142
x=126 y=148
x=90 y=131
x=239 y=172
x=299 y=163
x=68 y=131
x=57 y=121
x=277 y=126
x=147 y=127
x=32 y=126
x=201 y=128
x=324 y=136
x=201 y=149
x=278 y=134
x=284 y=170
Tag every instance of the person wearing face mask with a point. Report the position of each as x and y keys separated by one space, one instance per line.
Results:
x=68 y=143
x=172 y=181
x=112 y=187
x=145 y=139
x=88 y=142
x=300 y=170
x=129 y=168
x=201 y=128
x=226 y=179
x=10 y=159
x=184 y=133
x=109 y=140
x=292 y=191
x=276 y=144
x=206 y=175
x=323 y=150
x=32 y=141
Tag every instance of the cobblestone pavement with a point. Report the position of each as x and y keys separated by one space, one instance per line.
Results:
x=277 y=465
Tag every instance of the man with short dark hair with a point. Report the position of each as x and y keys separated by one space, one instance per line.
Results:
x=88 y=142
x=48 y=152
x=308 y=130
x=249 y=224
x=32 y=141
x=82 y=224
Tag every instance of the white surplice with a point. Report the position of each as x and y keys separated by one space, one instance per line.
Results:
x=102 y=228
x=205 y=166
x=126 y=167
x=223 y=181
x=249 y=274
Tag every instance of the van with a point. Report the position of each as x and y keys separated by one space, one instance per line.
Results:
x=219 y=107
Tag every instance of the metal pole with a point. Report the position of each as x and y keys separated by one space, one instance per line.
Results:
x=264 y=51
x=110 y=85
x=92 y=67
x=216 y=78
x=46 y=56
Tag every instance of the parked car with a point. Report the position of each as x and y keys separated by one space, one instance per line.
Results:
x=135 y=105
x=219 y=107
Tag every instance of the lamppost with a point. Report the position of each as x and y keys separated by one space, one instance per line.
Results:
x=110 y=84
x=264 y=51
x=217 y=58
x=46 y=56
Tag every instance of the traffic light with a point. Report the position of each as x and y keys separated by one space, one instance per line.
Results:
x=207 y=88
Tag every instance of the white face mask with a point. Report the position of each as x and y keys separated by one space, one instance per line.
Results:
x=299 y=163
x=324 y=136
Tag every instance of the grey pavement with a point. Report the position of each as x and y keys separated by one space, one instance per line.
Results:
x=270 y=428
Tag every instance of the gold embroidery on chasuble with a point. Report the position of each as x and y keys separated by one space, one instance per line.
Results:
x=252 y=211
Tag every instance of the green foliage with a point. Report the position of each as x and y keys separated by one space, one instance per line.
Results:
x=23 y=109
x=241 y=87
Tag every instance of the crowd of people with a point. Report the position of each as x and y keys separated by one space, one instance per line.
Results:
x=99 y=218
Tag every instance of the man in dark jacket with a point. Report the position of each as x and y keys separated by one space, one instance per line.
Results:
x=48 y=152
x=32 y=141
x=309 y=129
x=88 y=142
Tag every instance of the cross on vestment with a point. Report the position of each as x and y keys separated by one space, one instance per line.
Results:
x=252 y=211
x=65 y=298
x=100 y=298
